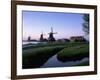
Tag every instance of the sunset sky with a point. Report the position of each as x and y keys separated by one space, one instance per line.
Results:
x=65 y=24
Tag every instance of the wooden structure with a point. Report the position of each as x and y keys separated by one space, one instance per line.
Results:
x=77 y=38
x=51 y=37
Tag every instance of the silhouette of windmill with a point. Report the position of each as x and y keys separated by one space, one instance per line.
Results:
x=29 y=38
x=41 y=37
x=51 y=37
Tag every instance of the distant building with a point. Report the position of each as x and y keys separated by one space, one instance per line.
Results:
x=29 y=38
x=77 y=38
x=63 y=40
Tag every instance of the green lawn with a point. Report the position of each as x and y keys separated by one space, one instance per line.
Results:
x=36 y=56
x=54 y=44
x=73 y=53
x=86 y=63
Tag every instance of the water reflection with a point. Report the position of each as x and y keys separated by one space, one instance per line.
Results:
x=54 y=62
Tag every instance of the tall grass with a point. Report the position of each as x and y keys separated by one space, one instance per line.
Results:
x=73 y=53
x=37 y=57
x=53 y=44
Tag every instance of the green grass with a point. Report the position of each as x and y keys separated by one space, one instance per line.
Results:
x=86 y=63
x=73 y=53
x=37 y=57
x=54 y=44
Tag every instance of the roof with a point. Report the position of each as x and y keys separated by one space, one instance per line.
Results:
x=76 y=37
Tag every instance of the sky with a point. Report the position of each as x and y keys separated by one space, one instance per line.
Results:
x=65 y=24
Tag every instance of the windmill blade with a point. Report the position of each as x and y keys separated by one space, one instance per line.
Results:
x=42 y=33
x=55 y=33
x=49 y=33
x=51 y=29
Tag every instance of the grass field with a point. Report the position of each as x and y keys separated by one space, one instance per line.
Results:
x=74 y=53
x=36 y=56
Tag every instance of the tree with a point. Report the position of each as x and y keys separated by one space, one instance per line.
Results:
x=86 y=23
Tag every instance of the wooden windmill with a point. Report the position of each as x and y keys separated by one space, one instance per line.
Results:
x=41 y=37
x=51 y=37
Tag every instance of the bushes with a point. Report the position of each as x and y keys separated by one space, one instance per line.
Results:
x=73 y=53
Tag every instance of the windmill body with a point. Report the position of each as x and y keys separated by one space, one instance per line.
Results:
x=41 y=37
x=51 y=37
x=29 y=38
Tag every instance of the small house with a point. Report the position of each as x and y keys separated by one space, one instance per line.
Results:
x=63 y=40
x=77 y=39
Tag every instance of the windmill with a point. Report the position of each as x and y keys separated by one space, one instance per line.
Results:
x=41 y=37
x=51 y=37
x=29 y=38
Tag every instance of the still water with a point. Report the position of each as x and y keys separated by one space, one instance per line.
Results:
x=54 y=62
x=30 y=42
